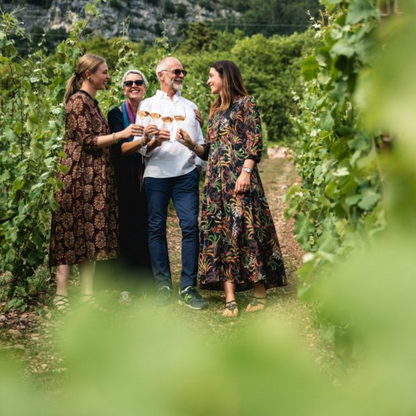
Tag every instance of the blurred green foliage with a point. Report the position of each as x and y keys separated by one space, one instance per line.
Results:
x=357 y=195
x=151 y=363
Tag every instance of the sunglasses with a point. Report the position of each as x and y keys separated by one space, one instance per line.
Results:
x=176 y=71
x=137 y=82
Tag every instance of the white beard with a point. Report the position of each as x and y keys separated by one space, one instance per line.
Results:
x=175 y=86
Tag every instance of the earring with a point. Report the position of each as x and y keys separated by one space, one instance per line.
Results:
x=89 y=79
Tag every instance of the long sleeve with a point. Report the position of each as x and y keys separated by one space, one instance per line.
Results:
x=79 y=122
x=206 y=147
x=200 y=140
x=115 y=120
x=252 y=127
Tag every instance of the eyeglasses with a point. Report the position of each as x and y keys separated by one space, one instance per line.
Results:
x=176 y=71
x=137 y=82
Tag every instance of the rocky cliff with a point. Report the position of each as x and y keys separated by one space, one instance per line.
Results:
x=146 y=18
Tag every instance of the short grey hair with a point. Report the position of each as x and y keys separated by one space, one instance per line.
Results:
x=133 y=71
x=162 y=64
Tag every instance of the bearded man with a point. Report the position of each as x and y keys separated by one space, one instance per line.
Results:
x=172 y=172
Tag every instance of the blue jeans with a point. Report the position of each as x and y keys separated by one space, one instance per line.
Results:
x=184 y=191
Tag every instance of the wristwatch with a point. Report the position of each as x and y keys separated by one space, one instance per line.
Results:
x=248 y=170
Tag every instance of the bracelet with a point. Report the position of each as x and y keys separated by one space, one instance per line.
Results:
x=196 y=145
x=115 y=138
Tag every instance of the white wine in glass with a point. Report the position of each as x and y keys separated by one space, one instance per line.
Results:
x=155 y=117
x=143 y=111
x=143 y=114
x=167 y=115
x=167 y=120
x=155 y=113
x=180 y=114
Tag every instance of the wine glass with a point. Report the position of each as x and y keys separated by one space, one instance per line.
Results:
x=167 y=118
x=142 y=114
x=167 y=115
x=180 y=114
x=155 y=113
x=144 y=111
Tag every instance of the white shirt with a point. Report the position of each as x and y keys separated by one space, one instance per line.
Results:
x=172 y=158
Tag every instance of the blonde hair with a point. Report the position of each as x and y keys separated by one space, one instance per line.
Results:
x=87 y=62
x=232 y=85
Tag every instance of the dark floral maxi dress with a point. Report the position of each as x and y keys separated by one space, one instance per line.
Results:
x=238 y=240
x=85 y=225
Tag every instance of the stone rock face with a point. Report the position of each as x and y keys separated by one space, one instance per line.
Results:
x=145 y=18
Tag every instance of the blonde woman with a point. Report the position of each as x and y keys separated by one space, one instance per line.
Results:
x=85 y=225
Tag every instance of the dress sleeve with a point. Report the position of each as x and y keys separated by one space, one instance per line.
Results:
x=79 y=123
x=200 y=161
x=116 y=122
x=205 y=155
x=252 y=125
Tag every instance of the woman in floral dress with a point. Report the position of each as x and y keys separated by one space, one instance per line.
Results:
x=239 y=248
x=85 y=224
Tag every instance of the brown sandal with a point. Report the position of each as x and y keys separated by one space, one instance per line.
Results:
x=256 y=301
x=61 y=304
x=231 y=306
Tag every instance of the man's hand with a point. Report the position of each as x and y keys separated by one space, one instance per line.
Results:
x=150 y=130
x=199 y=118
x=164 y=136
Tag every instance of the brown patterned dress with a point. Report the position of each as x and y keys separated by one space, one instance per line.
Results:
x=85 y=226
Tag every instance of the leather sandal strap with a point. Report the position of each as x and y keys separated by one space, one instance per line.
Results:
x=231 y=305
x=61 y=303
x=255 y=300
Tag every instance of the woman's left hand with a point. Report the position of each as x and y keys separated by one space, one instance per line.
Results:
x=243 y=183
x=183 y=138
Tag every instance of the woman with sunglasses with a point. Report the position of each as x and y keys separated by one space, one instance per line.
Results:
x=84 y=226
x=133 y=265
x=239 y=248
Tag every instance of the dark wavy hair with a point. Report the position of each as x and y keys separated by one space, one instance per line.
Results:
x=232 y=85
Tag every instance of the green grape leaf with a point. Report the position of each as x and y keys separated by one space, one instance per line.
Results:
x=303 y=228
x=369 y=198
x=360 y=10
